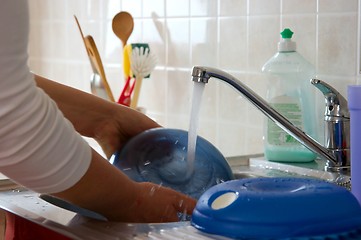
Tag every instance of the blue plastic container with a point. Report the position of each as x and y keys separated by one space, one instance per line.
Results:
x=160 y=156
x=277 y=208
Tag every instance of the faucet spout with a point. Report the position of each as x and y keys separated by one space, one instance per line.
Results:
x=335 y=162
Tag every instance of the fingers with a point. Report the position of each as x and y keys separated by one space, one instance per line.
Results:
x=177 y=203
x=184 y=204
x=169 y=215
x=161 y=204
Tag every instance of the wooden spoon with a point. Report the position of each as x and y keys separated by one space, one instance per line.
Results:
x=98 y=82
x=123 y=25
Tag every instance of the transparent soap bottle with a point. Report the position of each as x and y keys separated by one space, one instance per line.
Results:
x=290 y=93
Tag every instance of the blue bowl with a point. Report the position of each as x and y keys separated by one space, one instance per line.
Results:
x=277 y=208
x=160 y=156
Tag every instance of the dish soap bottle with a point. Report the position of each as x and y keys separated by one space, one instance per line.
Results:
x=291 y=94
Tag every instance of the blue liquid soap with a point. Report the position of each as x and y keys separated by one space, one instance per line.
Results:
x=291 y=94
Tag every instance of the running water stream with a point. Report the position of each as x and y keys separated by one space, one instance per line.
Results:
x=198 y=89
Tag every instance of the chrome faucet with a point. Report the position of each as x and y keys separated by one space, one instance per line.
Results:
x=336 y=151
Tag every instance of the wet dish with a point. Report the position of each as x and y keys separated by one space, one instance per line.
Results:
x=160 y=156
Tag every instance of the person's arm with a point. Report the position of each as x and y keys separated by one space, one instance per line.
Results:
x=112 y=125
x=106 y=190
x=109 y=123
x=48 y=156
x=40 y=149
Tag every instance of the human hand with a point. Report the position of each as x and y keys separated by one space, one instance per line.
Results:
x=155 y=203
x=108 y=191
x=119 y=127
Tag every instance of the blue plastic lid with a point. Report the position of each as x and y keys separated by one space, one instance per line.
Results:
x=354 y=96
x=276 y=208
x=160 y=156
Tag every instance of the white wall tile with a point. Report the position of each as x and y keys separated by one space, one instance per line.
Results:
x=232 y=106
x=179 y=92
x=84 y=9
x=204 y=30
x=233 y=43
x=154 y=92
x=260 y=7
x=133 y=6
x=233 y=7
x=204 y=41
x=262 y=40
x=337 y=44
x=299 y=6
x=156 y=7
x=232 y=138
x=337 y=6
x=238 y=36
x=178 y=52
x=206 y=8
x=153 y=34
x=177 y=8
x=109 y=8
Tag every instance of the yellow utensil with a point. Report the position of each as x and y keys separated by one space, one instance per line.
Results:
x=125 y=96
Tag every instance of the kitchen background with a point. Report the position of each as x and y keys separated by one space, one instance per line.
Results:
x=238 y=36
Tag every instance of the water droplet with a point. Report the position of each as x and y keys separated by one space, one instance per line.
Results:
x=181 y=203
x=220 y=180
x=144 y=173
x=183 y=216
x=152 y=191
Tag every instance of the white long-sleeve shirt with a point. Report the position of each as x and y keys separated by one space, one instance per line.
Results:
x=39 y=148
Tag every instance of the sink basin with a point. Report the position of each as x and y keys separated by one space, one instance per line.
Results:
x=27 y=204
x=253 y=166
x=243 y=167
x=250 y=166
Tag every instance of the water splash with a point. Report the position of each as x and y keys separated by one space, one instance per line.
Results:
x=193 y=126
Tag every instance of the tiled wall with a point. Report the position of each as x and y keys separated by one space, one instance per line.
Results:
x=238 y=36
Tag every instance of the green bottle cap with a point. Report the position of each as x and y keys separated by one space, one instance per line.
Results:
x=286 y=33
x=286 y=44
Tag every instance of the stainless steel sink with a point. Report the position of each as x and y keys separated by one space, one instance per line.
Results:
x=27 y=204
x=257 y=166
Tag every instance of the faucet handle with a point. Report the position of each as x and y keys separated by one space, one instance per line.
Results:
x=337 y=126
x=336 y=104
